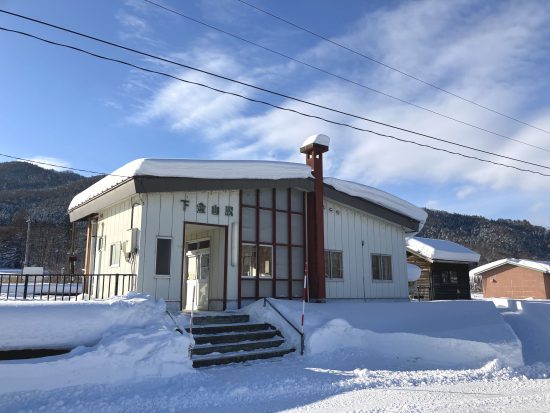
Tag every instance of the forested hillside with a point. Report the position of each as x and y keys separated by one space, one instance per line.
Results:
x=43 y=195
x=493 y=239
x=28 y=191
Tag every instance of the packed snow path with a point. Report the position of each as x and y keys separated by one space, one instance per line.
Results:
x=293 y=383
x=383 y=356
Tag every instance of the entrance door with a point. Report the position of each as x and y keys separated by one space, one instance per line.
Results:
x=198 y=273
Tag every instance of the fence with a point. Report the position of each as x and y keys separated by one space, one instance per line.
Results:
x=65 y=287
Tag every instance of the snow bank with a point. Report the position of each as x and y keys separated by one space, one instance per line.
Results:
x=530 y=320
x=121 y=356
x=117 y=340
x=68 y=324
x=440 y=249
x=415 y=335
x=188 y=168
x=379 y=197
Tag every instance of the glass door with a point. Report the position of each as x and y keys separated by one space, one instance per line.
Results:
x=198 y=273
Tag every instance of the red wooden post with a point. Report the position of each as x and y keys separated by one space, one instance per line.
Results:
x=313 y=148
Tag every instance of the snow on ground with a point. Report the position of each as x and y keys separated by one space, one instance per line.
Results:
x=402 y=335
x=530 y=320
x=375 y=356
x=66 y=325
x=113 y=341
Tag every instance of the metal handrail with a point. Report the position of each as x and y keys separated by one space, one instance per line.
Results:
x=302 y=335
x=72 y=287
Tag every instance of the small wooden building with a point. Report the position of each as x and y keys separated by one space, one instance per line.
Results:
x=445 y=266
x=515 y=278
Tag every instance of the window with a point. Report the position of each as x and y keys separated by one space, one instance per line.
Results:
x=266 y=260
x=249 y=261
x=381 y=267
x=164 y=246
x=101 y=243
x=114 y=257
x=334 y=267
x=449 y=277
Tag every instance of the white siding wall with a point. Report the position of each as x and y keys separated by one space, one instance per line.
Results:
x=164 y=216
x=113 y=224
x=345 y=228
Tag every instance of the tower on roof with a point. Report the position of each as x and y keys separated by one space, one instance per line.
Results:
x=314 y=147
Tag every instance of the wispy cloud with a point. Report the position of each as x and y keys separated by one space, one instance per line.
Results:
x=489 y=52
x=47 y=162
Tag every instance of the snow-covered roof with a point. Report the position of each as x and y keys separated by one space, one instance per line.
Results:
x=413 y=272
x=379 y=197
x=188 y=168
x=440 y=249
x=542 y=266
x=319 y=139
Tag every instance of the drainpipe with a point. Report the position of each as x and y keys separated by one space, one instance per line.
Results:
x=314 y=147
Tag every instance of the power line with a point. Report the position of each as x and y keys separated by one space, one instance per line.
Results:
x=317 y=68
x=288 y=109
x=378 y=62
x=60 y=166
x=260 y=88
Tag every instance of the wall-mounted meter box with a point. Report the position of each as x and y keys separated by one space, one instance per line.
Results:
x=131 y=241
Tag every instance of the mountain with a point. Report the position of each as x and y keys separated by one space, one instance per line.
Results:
x=27 y=190
x=493 y=239
x=43 y=195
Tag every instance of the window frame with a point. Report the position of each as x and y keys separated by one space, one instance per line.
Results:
x=117 y=250
x=157 y=274
x=380 y=268
x=279 y=204
x=328 y=265
x=271 y=267
x=257 y=260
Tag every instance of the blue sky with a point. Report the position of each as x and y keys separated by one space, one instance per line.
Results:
x=79 y=111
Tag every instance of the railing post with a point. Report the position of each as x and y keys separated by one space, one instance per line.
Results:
x=116 y=284
x=26 y=287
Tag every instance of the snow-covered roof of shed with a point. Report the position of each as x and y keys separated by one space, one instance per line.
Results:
x=440 y=249
x=542 y=266
x=319 y=139
x=188 y=168
x=379 y=197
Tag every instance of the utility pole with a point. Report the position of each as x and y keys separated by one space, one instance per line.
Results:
x=27 y=246
x=26 y=261
x=72 y=255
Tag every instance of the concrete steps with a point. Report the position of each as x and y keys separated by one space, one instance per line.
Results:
x=224 y=339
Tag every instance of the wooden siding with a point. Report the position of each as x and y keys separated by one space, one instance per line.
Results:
x=345 y=229
x=424 y=283
x=164 y=215
x=429 y=285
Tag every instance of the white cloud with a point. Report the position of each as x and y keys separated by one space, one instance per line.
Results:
x=47 y=162
x=488 y=52
x=433 y=204
x=465 y=191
